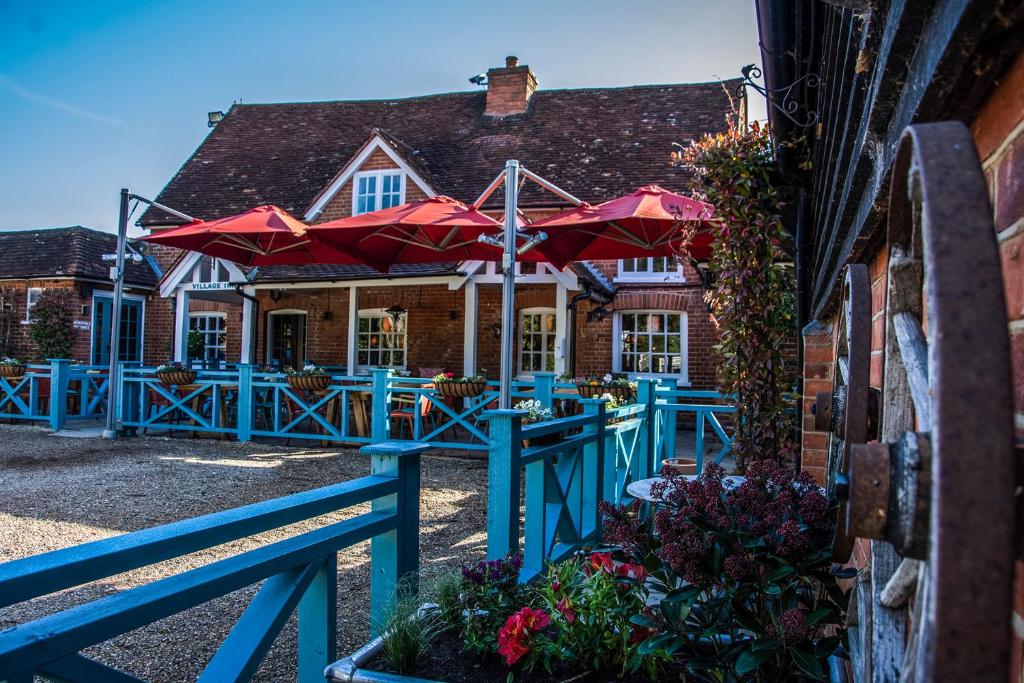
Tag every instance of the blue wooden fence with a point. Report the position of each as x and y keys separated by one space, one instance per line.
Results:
x=299 y=572
x=54 y=393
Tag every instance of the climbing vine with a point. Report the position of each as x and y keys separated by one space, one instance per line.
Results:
x=753 y=295
x=51 y=329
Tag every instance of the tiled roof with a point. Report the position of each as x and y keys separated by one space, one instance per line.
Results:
x=597 y=143
x=65 y=252
x=325 y=272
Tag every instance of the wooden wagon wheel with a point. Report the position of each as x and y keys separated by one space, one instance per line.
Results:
x=938 y=492
x=845 y=411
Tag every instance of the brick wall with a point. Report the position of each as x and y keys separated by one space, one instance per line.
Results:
x=999 y=134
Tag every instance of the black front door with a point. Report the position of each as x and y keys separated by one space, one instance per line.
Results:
x=287 y=340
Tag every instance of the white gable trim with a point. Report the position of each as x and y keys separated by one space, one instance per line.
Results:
x=350 y=169
x=182 y=273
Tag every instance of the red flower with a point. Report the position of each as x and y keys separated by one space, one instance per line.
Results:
x=632 y=571
x=514 y=636
x=565 y=607
x=600 y=562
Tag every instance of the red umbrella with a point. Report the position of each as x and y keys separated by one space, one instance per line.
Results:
x=263 y=236
x=647 y=222
x=426 y=231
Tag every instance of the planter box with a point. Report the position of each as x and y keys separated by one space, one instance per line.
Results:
x=176 y=377
x=11 y=371
x=309 y=382
x=620 y=391
x=460 y=389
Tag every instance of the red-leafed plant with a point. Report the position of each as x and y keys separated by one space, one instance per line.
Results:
x=749 y=591
x=753 y=294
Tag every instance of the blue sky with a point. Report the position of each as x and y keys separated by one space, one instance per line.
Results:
x=99 y=95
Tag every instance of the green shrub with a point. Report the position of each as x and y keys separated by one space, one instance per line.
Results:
x=51 y=329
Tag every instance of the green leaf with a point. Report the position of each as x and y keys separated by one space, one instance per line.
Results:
x=806 y=663
x=817 y=615
x=641 y=620
x=751 y=660
x=781 y=573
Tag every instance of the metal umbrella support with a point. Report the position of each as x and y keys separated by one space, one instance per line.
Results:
x=510 y=177
x=117 y=275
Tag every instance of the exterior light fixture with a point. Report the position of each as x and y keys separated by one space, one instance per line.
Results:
x=214 y=117
x=598 y=314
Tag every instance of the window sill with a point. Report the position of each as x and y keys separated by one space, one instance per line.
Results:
x=669 y=280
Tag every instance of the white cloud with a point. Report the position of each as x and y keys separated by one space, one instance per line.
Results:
x=54 y=103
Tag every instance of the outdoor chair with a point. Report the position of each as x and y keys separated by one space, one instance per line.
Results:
x=405 y=414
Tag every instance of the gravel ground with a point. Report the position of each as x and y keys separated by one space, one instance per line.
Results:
x=56 y=492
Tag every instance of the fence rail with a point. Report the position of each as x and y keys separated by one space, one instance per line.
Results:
x=299 y=572
x=55 y=392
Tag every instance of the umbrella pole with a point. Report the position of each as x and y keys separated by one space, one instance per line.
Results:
x=508 y=290
x=115 y=318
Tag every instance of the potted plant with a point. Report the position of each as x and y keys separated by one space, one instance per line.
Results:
x=309 y=378
x=450 y=385
x=536 y=412
x=11 y=367
x=595 y=386
x=175 y=373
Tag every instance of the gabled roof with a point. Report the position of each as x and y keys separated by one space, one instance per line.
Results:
x=65 y=252
x=597 y=143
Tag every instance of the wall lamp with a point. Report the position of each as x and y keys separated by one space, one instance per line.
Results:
x=598 y=314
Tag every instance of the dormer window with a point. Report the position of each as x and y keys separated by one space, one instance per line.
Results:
x=377 y=190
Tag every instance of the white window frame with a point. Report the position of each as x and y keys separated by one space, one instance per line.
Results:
x=222 y=317
x=378 y=187
x=549 y=339
x=649 y=275
x=380 y=313
x=683 y=376
x=30 y=303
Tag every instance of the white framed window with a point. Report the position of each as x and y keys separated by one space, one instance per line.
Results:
x=210 y=269
x=373 y=190
x=381 y=339
x=650 y=269
x=212 y=327
x=651 y=342
x=31 y=300
x=536 y=340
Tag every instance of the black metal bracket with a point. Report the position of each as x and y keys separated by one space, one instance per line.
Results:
x=780 y=98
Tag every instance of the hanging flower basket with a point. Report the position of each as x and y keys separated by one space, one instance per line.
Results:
x=469 y=389
x=175 y=373
x=176 y=377
x=309 y=382
x=11 y=370
x=448 y=385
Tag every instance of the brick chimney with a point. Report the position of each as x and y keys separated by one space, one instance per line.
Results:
x=509 y=88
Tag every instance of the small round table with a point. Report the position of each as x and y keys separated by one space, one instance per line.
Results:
x=642 y=489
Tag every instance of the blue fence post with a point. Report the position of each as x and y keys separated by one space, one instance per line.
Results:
x=396 y=553
x=60 y=373
x=504 y=481
x=380 y=419
x=647 y=394
x=318 y=623
x=544 y=388
x=668 y=425
x=245 y=408
x=594 y=472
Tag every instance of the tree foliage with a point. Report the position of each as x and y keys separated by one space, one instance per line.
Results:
x=51 y=329
x=753 y=296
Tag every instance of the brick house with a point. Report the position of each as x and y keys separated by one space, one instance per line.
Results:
x=326 y=160
x=70 y=260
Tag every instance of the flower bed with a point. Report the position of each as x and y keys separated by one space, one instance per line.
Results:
x=723 y=584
